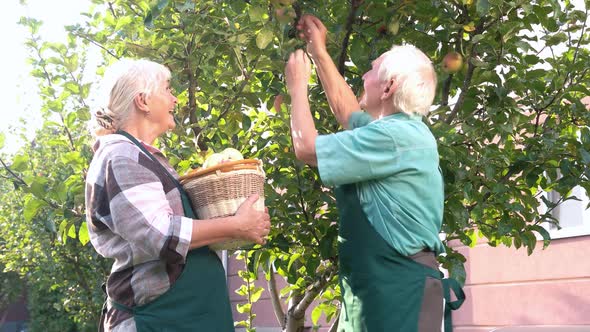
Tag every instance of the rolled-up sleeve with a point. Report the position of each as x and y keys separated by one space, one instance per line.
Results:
x=365 y=152
x=142 y=215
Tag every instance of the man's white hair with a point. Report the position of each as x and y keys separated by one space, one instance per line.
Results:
x=112 y=100
x=415 y=78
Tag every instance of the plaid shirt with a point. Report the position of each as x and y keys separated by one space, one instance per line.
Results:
x=135 y=216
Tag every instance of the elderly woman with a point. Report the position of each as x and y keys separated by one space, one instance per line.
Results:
x=164 y=276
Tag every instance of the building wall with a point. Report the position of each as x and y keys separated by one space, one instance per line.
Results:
x=14 y=318
x=505 y=287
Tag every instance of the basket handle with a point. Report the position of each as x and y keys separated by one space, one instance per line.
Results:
x=244 y=164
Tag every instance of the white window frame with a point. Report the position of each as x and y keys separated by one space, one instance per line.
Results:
x=574 y=218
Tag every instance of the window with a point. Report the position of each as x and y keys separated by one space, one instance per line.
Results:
x=574 y=218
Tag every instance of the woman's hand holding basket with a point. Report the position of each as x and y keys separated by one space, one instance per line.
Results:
x=251 y=224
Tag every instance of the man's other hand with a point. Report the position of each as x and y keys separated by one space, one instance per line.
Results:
x=298 y=72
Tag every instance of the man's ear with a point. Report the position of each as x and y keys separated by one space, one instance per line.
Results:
x=140 y=103
x=389 y=89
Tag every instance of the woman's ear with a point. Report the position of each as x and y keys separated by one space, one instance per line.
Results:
x=140 y=103
x=389 y=89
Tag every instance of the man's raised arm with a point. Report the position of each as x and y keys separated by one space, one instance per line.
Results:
x=339 y=94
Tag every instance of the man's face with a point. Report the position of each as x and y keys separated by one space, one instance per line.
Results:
x=373 y=88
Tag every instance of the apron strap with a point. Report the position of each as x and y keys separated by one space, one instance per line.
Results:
x=186 y=203
x=121 y=307
x=186 y=206
x=453 y=284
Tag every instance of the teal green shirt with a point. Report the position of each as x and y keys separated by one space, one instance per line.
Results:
x=394 y=162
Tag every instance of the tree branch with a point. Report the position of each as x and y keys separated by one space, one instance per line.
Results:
x=112 y=9
x=192 y=88
x=315 y=289
x=293 y=322
x=348 y=27
x=235 y=97
x=67 y=130
x=466 y=83
x=275 y=299
x=22 y=182
x=334 y=326
x=446 y=90
x=12 y=173
x=96 y=44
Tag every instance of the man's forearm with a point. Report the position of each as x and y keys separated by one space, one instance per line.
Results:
x=339 y=94
x=303 y=129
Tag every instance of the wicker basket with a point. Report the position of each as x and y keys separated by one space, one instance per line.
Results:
x=218 y=191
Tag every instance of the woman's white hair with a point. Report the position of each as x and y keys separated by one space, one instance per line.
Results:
x=415 y=76
x=112 y=99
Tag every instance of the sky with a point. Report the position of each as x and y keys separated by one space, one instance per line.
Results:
x=17 y=87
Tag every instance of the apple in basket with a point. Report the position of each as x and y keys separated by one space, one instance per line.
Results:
x=229 y=154
x=219 y=191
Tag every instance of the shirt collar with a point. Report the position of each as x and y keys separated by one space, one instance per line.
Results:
x=403 y=116
x=107 y=139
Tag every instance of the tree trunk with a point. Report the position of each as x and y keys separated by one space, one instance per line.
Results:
x=295 y=319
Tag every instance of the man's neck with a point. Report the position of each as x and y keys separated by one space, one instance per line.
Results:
x=385 y=112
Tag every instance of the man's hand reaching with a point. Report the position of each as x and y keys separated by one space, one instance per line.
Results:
x=298 y=72
x=313 y=32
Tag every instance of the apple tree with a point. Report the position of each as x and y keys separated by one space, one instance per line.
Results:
x=507 y=116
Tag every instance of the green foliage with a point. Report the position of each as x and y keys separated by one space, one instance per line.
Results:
x=42 y=194
x=510 y=127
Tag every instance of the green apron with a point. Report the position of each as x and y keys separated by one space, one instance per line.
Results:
x=381 y=289
x=198 y=300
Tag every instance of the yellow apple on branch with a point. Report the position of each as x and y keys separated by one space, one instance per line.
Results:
x=452 y=62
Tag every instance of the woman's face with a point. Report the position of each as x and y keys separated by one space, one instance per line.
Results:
x=162 y=104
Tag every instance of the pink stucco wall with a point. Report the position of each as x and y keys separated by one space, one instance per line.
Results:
x=505 y=287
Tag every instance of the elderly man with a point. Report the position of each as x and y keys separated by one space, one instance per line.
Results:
x=388 y=185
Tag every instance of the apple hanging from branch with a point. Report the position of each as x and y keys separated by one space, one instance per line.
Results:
x=452 y=62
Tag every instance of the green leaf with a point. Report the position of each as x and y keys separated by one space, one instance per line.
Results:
x=556 y=39
x=255 y=294
x=292 y=260
x=530 y=241
x=264 y=38
x=477 y=38
x=2 y=139
x=246 y=122
x=32 y=207
x=37 y=186
x=20 y=163
x=457 y=271
x=483 y=7
x=257 y=14
x=544 y=233
x=316 y=313
x=83 y=234
x=154 y=12
x=244 y=308
x=72 y=231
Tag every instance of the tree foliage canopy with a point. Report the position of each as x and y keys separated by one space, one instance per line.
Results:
x=510 y=127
